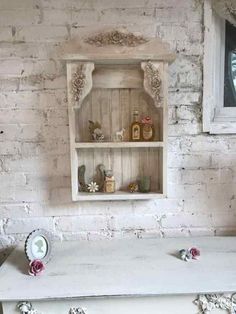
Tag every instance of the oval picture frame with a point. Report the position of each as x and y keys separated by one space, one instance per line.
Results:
x=38 y=246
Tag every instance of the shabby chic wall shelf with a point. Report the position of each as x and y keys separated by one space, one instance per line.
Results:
x=110 y=75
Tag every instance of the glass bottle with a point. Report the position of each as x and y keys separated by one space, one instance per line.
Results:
x=109 y=183
x=148 y=130
x=135 y=129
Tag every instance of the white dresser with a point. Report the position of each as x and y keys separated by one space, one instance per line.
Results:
x=124 y=276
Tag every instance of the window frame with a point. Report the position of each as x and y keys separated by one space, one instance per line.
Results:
x=217 y=119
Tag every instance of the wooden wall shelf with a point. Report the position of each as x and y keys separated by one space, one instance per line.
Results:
x=117 y=196
x=108 y=91
x=118 y=144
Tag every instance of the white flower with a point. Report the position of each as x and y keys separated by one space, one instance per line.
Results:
x=93 y=187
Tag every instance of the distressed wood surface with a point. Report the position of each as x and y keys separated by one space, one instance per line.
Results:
x=118 y=195
x=142 y=305
x=117 y=77
x=72 y=129
x=118 y=144
x=136 y=162
x=153 y=49
x=145 y=267
x=114 y=108
x=115 y=114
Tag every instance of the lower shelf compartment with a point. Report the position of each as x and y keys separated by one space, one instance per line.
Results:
x=118 y=195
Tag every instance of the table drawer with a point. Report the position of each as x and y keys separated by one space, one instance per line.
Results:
x=182 y=304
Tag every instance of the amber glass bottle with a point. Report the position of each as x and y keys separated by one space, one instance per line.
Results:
x=135 y=129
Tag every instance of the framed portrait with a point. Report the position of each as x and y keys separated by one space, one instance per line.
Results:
x=38 y=246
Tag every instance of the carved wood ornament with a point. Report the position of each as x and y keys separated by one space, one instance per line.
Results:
x=116 y=38
x=209 y=302
x=81 y=82
x=77 y=310
x=78 y=83
x=26 y=307
x=152 y=81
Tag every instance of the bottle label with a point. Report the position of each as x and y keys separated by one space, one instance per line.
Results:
x=109 y=186
x=136 y=132
x=147 y=132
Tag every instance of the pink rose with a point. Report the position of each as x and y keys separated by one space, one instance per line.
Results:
x=147 y=120
x=194 y=252
x=36 y=267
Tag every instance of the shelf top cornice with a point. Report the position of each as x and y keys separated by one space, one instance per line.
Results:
x=116 y=46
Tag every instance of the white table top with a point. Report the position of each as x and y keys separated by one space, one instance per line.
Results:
x=123 y=267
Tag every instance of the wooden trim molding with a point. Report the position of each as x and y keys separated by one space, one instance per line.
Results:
x=217 y=119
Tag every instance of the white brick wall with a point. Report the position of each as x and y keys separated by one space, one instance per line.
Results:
x=34 y=143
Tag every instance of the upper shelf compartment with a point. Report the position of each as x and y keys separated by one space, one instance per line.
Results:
x=113 y=109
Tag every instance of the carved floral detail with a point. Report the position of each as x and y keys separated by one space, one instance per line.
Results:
x=154 y=80
x=26 y=308
x=78 y=83
x=209 y=302
x=76 y=310
x=116 y=38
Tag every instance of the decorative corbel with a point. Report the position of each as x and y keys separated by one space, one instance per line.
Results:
x=152 y=81
x=81 y=82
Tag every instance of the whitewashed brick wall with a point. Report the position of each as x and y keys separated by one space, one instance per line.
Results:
x=34 y=143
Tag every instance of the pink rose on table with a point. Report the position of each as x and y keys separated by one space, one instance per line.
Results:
x=36 y=267
x=194 y=252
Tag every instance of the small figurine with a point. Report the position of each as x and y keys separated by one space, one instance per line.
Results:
x=81 y=177
x=98 y=135
x=109 y=183
x=93 y=187
x=100 y=177
x=120 y=135
x=133 y=187
x=95 y=131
